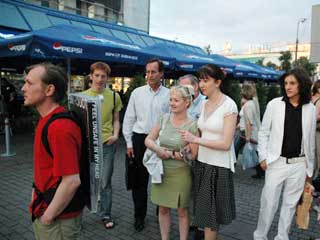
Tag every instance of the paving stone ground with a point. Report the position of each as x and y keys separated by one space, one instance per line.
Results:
x=15 y=188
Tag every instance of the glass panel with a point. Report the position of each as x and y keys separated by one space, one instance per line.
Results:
x=81 y=24
x=36 y=19
x=171 y=44
x=183 y=47
x=201 y=51
x=157 y=40
x=58 y=20
x=190 y=48
x=102 y=30
x=136 y=39
x=121 y=35
x=148 y=40
x=10 y=17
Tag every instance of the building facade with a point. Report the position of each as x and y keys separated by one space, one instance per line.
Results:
x=135 y=14
x=315 y=34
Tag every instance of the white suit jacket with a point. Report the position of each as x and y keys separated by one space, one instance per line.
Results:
x=271 y=132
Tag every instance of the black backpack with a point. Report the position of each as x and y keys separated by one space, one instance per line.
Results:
x=82 y=195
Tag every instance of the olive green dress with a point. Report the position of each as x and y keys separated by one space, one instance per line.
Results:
x=175 y=189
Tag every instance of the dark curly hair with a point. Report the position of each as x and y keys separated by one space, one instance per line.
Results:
x=304 y=84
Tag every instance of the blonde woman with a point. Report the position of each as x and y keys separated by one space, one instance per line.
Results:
x=249 y=123
x=174 y=191
x=214 y=202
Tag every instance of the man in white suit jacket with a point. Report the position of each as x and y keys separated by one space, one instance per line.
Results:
x=286 y=151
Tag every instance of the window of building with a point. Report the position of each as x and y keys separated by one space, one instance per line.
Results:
x=36 y=19
x=10 y=17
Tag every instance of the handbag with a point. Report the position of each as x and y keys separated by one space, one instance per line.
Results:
x=303 y=207
x=249 y=157
x=130 y=173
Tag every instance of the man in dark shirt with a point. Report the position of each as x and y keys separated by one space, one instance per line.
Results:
x=8 y=97
x=286 y=151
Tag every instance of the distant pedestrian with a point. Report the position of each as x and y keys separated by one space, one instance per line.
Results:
x=286 y=146
x=249 y=124
x=8 y=98
x=111 y=105
x=56 y=179
x=213 y=190
x=145 y=105
x=195 y=108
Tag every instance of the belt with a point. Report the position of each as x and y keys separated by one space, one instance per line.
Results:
x=294 y=159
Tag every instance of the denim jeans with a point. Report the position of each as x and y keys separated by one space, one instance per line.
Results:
x=106 y=188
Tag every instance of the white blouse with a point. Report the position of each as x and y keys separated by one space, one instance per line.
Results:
x=212 y=129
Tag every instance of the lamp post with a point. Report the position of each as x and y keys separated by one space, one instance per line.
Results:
x=301 y=20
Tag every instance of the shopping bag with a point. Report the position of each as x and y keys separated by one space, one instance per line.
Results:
x=303 y=207
x=249 y=157
x=130 y=172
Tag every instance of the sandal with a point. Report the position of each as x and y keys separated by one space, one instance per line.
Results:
x=108 y=223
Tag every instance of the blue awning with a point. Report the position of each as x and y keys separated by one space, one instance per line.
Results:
x=65 y=41
x=265 y=72
x=226 y=64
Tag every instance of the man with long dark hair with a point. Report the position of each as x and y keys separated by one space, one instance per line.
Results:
x=286 y=146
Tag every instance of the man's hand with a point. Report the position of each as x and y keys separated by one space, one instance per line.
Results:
x=130 y=152
x=263 y=165
x=45 y=220
x=111 y=140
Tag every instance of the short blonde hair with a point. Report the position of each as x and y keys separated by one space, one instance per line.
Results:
x=248 y=91
x=185 y=91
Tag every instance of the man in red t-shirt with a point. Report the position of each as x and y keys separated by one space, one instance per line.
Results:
x=45 y=86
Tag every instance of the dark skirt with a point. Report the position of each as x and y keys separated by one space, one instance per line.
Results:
x=213 y=191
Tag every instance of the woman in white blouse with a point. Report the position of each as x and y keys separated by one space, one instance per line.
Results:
x=214 y=202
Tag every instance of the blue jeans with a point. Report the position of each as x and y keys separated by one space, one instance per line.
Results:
x=106 y=188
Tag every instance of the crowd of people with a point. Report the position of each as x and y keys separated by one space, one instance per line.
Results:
x=190 y=128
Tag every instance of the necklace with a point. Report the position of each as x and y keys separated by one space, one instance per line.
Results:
x=210 y=107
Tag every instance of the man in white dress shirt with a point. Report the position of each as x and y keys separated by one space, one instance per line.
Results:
x=145 y=105
x=195 y=109
x=286 y=146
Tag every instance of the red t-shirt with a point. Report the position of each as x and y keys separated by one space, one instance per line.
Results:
x=64 y=137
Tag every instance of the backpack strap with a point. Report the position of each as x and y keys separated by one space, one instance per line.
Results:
x=113 y=109
x=44 y=134
x=77 y=201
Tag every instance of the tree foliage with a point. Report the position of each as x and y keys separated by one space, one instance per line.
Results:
x=137 y=81
x=271 y=65
x=285 y=60
x=260 y=62
x=303 y=62
x=208 y=49
x=234 y=92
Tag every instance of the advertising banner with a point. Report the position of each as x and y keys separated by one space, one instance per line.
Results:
x=89 y=109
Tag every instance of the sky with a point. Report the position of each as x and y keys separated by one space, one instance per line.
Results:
x=239 y=22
